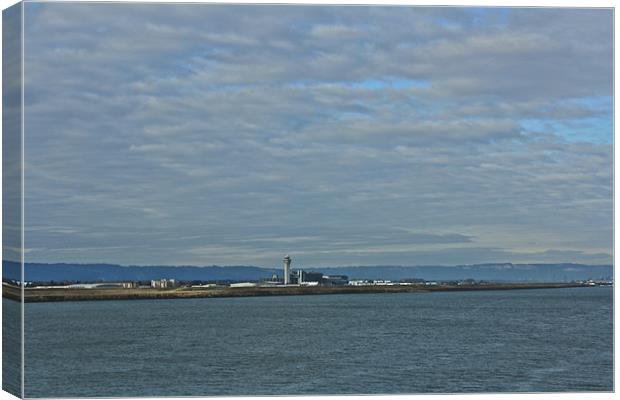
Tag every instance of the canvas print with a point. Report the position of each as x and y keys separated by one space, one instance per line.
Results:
x=233 y=199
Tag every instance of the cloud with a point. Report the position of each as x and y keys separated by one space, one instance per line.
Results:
x=349 y=135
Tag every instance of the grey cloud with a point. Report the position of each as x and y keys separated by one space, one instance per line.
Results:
x=242 y=128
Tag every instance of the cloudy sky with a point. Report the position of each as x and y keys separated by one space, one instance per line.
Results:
x=232 y=135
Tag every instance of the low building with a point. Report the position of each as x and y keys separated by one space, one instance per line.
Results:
x=299 y=277
x=243 y=285
x=274 y=281
x=382 y=282
x=130 y=285
x=312 y=276
x=334 y=280
x=164 y=283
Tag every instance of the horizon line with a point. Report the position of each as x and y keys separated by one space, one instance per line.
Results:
x=328 y=266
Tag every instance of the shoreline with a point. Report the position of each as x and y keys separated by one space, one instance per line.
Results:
x=32 y=295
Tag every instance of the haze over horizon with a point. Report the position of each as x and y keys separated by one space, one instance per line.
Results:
x=187 y=134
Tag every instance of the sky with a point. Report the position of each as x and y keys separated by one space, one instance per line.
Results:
x=178 y=134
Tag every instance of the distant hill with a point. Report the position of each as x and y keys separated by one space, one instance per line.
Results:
x=494 y=272
x=506 y=272
x=110 y=272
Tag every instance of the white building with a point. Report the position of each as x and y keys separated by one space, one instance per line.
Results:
x=163 y=283
x=243 y=284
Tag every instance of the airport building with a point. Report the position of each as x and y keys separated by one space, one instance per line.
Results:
x=297 y=277
x=305 y=278
x=164 y=283
x=335 y=280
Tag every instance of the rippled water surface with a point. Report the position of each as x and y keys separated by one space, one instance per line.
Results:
x=11 y=346
x=496 y=341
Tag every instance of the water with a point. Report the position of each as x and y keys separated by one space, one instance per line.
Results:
x=459 y=342
x=11 y=347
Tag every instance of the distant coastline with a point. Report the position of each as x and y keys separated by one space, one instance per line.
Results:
x=496 y=272
x=62 y=294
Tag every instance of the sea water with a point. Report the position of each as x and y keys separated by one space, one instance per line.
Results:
x=537 y=340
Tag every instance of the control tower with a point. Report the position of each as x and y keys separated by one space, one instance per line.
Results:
x=287 y=269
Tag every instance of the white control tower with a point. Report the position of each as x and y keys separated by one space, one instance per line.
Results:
x=287 y=269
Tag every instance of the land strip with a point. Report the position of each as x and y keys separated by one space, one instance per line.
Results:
x=64 y=294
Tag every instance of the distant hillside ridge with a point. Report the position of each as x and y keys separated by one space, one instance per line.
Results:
x=506 y=272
